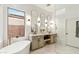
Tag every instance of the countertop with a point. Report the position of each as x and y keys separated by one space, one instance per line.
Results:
x=42 y=34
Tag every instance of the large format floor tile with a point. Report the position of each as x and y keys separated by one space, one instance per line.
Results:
x=48 y=49
x=56 y=49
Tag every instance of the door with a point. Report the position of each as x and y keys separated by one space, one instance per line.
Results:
x=72 y=40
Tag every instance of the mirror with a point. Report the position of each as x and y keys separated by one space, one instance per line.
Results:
x=38 y=24
x=16 y=23
x=34 y=17
x=42 y=22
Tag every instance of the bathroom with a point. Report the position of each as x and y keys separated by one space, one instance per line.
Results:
x=21 y=21
x=38 y=28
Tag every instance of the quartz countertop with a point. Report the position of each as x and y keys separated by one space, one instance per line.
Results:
x=42 y=34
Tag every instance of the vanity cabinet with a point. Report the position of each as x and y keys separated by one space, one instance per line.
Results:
x=41 y=41
x=34 y=44
x=53 y=38
x=37 y=42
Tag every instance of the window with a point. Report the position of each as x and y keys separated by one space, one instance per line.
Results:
x=16 y=23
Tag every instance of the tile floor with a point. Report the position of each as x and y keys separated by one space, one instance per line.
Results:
x=48 y=49
x=56 y=49
x=66 y=50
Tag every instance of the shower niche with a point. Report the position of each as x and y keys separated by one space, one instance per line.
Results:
x=16 y=23
x=77 y=28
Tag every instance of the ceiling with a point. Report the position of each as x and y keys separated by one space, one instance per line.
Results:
x=47 y=7
x=51 y=7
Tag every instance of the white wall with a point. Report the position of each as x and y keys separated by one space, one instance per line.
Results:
x=1 y=26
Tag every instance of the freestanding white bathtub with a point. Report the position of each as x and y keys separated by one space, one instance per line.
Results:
x=20 y=47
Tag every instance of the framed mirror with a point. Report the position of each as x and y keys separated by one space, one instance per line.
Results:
x=16 y=23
